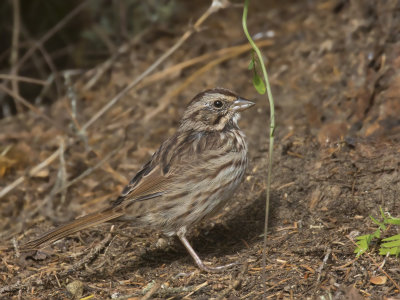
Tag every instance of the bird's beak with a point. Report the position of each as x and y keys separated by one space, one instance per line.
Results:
x=241 y=104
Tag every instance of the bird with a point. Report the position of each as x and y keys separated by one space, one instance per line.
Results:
x=190 y=178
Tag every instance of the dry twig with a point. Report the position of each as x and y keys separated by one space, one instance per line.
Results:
x=202 y=58
x=89 y=257
x=31 y=172
x=89 y=170
x=52 y=31
x=16 y=31
x=49 y=61
x=100 y=70
x=200 y=286
x=14 y=49
x=22 y=78
x=60 y=188
x=164 y=101
x=21 y=100
x=153 y=289
x=235 y=282
x=13 y=287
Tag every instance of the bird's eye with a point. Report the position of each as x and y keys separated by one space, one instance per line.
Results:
x=218 y=104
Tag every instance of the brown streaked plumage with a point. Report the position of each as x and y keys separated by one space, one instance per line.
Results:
x=189 y=178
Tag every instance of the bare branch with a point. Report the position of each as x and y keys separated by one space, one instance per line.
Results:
x=24 y=102
x=14 y=49
x=23 y=78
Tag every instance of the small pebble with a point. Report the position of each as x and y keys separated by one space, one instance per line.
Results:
x=161 y=243
x=75 y=288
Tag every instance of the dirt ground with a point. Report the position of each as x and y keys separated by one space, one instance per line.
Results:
x=334 y=67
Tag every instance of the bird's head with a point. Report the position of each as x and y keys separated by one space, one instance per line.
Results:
x=214 y=110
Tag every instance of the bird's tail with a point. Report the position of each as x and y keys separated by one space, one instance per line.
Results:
x=72 y=227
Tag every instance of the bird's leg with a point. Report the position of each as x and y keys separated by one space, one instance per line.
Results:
x=181 y=235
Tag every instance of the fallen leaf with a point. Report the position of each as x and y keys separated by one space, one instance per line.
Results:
x=378 y=280
x=44 y=173
x=315 y=197
x=351 y=293
x=332 y=133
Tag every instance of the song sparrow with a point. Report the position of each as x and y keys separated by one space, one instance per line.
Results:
x=190 y=177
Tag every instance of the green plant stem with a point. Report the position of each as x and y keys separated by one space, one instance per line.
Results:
x=271 y=138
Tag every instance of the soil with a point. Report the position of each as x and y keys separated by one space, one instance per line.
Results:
x=334 y=67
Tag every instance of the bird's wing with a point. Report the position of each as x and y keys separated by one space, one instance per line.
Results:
x=168 y=165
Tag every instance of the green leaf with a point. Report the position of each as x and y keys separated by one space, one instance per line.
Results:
x=391 y=251
x=359 y=251
x=363 y=242
x=251 y=64
x=391 y=244
x=259 y=84
x=392 y=238
x=394 y=221
x=381 y=225
x=377 y=234
x=363 y=237
x=388 y=246
x=390 y=219
x=382 y=213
